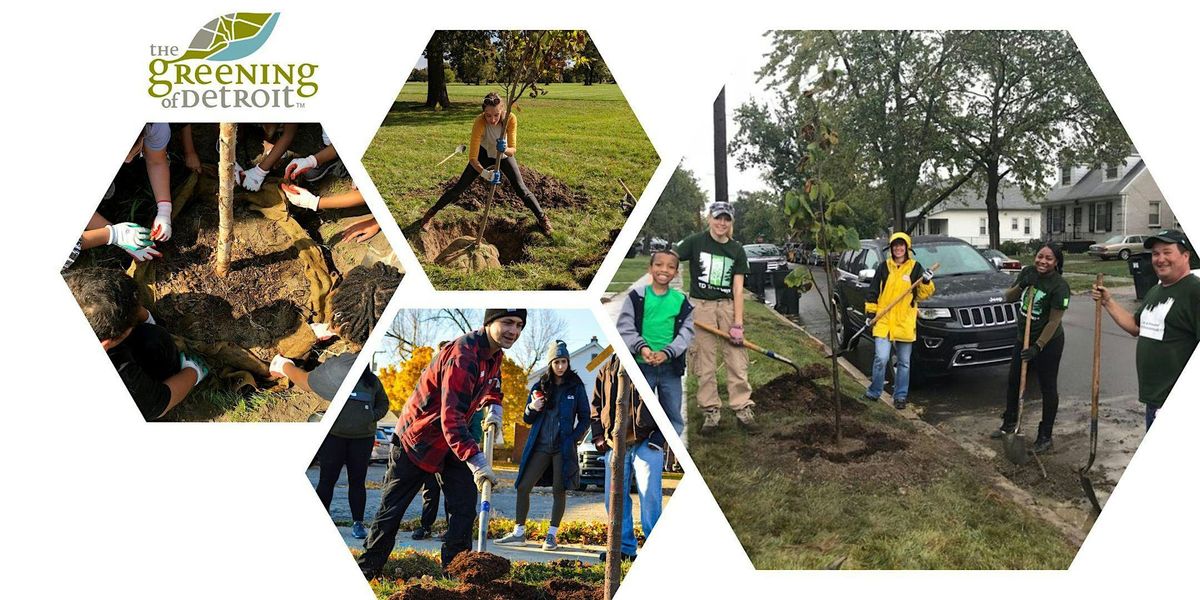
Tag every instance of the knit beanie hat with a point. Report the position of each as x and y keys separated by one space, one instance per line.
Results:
x=492 y=314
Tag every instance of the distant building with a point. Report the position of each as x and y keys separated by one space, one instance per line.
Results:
x=1092 y=204
x=964 y=216
x=579 y=360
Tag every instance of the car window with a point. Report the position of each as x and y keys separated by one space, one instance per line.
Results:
x=1116 y=239
x=955 y=259
x=1135 y=239
x=855 y=262
x=870 y=260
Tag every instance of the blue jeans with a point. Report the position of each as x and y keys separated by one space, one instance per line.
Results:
x=883 y=353
x=1151 y=412
x=646 y=464
x=668 y=385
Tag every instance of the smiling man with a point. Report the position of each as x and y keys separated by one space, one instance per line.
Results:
x=433 y=436
x=1167 y=324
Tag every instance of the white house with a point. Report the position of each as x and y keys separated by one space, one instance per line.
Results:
x=1091 y=204
x=579 y=360
x=964 y=216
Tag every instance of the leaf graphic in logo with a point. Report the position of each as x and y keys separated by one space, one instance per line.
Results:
x=231 y=37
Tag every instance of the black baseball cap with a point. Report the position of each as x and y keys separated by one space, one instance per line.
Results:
x=1170 y=236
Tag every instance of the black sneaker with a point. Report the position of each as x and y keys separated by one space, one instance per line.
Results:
x=1002 y=431
x=870 y=398
x=624 y=557
x=899 y=403
x=420 y=533
x=1043 y=445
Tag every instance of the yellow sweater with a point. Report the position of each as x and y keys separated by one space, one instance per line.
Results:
x=900 y=323
x=477 y=133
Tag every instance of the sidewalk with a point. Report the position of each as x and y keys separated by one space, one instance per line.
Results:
x=529 y=552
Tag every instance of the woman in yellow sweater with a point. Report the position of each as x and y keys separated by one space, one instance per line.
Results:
x=487 y=143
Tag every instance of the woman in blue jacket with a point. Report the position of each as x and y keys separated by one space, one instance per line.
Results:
x=558 y=415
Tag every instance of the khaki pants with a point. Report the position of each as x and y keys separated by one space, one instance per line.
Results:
x=719 y=314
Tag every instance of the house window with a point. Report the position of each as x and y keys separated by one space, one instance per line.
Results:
x=1056 y=217
x=1154 y=215
x=1015 y=224
x=1101 y=220
x=1064 y=175
x=1111 y=172
x=982 y=225
x=1028 y=224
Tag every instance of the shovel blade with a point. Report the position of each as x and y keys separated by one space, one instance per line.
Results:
x=1015 y=448
x=1089 y=491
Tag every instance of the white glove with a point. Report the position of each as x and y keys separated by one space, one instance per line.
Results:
x=195 y=363
x=238 y=173
x=322 y=330
x=161 y=230
x=494 y=416
x=254 y=178
x=128 y=236
x=277 y=363
x=144 y=254
x=487 y=174
x=298 y=166
x=300 y=196
x=150 y=319
x=481 y=470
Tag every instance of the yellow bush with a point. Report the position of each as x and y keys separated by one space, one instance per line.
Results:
x=400 y=383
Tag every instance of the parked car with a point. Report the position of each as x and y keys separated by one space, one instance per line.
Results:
x=1002 y=262
x=1119 y=246
x=591 y=463
x=383 y=443
x=965 y=324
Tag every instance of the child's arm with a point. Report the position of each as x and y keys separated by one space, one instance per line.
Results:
x=298 y=376
x=180 y=385
x=280 y=147
x=190 y=157
x=629 y=329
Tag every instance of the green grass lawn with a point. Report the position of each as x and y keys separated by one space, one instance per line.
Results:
x=1087 y=265
x=789 y=516
x=409 y=566
x=631 y=270
x=586 y=136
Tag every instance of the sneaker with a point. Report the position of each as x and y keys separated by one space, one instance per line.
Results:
x=745 y=418
x=512 y=538
x=712 y=418
x=420 y=533
x=870 y=398
x=544 y=224
x=357 y=531
x=550 y=543
x=899 y=403
x=1043 y=445
x=1002 y=431
x=624 y=557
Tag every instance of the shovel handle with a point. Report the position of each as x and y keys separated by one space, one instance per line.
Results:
x=748 y=344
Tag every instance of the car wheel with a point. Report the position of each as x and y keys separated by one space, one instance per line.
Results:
x=1124 y=254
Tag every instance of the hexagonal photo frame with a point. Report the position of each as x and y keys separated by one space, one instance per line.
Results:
x=232 y=271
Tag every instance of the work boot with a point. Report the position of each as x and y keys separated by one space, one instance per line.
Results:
x=745 y=417
x=1043 y=445
x=899 y=403
x=544 y=224
x=712 y=418
x=870 y=398
x=420 y=533
x=512 y=538
x=1003 y=431
x=357 y=531
x=551 y=542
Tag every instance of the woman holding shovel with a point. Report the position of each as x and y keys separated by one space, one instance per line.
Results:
x=558 y=414
x=894 y=279
x=491 y=141
x=1041 y=284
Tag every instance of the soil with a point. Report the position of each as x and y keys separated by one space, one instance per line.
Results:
x=481 y=575
x=509 y=236
x=478 y=567
x=551 y=193
x=789 y=392
x=817 y=439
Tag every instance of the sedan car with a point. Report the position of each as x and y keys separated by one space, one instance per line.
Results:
x=1119 y=246
x=1002 y=262
x=383 y=443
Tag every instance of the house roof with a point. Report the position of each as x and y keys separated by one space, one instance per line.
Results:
x=1092 y=184
x=1009 y=198
x=591 y=346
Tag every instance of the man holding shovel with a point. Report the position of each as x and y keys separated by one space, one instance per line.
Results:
x=896 y=278
x=1168 y=323
x=433 y=436
x=718 y=267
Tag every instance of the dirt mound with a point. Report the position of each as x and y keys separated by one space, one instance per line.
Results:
x=478 y=567
x=816 y=439
x=569 y=589
x=789 y=392
x=428 y=591
x=550 y=192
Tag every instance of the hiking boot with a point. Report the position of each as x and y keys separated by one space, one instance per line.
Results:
x=899 y=403
x=420 y=533
x=357 y=531
x=712 y=418
x=512 y=538
x=1043 y=445
x=1002 y=431
x=551 y=542
x=745 y=418
x=544 y=224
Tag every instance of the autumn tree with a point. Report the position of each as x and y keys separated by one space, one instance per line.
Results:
x=677 y=213
x=400 y=382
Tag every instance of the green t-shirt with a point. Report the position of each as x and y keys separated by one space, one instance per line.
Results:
x=1049 y=293
x=1169 y=319
x=658 y=318
x=712 y=265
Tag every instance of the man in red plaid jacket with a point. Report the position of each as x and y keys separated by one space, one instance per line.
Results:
x=433 y=436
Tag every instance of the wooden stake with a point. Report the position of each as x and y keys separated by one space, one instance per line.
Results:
x=616 y=488
x=225 y=197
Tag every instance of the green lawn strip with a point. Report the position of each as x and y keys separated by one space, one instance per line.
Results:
x=630 y=271
x=586 y=136
x=229 y=405
x=588 y=533
x=1087 y=265
x=785 y=521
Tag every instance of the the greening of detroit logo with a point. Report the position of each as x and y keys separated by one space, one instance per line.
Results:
x=191 y=78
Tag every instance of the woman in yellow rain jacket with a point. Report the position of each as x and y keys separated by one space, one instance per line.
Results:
x=894 y=279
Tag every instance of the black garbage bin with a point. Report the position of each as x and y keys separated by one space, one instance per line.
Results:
x=1142 y=270
x=787 y=299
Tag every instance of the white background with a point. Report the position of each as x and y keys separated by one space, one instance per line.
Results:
x=99 y=504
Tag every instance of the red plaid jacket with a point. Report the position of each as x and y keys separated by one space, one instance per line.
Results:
x=463 y=378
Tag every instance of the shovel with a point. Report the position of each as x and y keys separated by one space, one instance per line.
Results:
x=1014 y=443
x=1084 y=480
x=853 y=340
x=459 y=150
x=485 y=496
x=752 y=346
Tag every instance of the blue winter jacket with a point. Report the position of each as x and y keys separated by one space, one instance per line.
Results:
x=574 y=414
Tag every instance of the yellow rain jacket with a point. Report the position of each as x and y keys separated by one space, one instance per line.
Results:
x=893 y=281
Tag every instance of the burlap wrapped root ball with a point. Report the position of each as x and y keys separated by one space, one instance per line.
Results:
x=463 y=254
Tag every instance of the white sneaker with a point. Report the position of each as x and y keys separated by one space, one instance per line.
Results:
x=512 y=538
x=551 y=542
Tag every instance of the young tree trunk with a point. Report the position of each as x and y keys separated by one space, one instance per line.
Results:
x=837 y=382
x=435 y=57
x=616 y=491
x=992 y=200
x=225 y=197
x=719 y=149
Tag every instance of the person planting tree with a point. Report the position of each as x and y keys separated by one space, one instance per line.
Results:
x=1042 y=284
x=894 y=278
x=433 y=436
x=1167 y=325
x=491 y=140
x=315 y=167
x=558 y=416
x=718 y=267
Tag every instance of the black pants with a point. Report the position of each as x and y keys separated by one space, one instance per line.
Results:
x=511 y=171
x=1046 y=366
x=527 y=478
x=355 y=455
x=404 y=479
x=431 y=493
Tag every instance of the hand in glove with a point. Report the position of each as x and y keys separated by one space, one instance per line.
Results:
x=298 y=166
x=486 y=175
x=495 y=416
x=277 y=364
x=144 y=254
x=161 y=230
x=1030 y=353
x=481 y=470
x=129 y=237
x=501 y=145
x=927 y=276
x=1027 y=277
x=300 y=196
x=495 y=177
x=254 y=178
x=737 y=335
x=322 y=330
x=195 y=363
